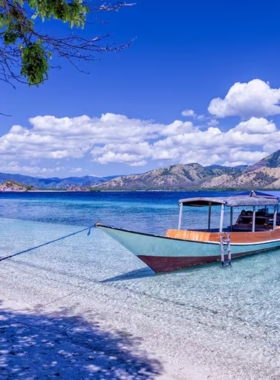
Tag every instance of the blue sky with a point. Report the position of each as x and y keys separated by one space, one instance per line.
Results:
x=186 y=54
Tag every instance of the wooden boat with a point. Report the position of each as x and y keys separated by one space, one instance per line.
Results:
x=254 y=232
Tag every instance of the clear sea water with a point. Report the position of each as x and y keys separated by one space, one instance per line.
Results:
x=243 y=301
x=151 y=212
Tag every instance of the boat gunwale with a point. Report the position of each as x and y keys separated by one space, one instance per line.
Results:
x=186 y=240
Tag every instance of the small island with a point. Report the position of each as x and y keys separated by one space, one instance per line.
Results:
x=14 y=186
x=11 y=185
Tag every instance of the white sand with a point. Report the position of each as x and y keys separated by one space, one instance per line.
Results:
x=80 y=335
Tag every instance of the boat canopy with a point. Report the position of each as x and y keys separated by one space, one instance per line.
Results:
x=262 y=193
x=251 y=199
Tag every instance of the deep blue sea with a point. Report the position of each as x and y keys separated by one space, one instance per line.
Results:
x=152 y=212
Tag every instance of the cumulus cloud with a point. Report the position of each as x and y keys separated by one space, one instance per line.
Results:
x=140 y=163
x=59 y=138
x=201 y=117
x=255 y=125
x=130 y=159
x=213 y=122
x=119 y=139
x=16 y=167
x=189 y=113
x=131 y=154
x=253 y=99
x=175 y=128
x=246 y=143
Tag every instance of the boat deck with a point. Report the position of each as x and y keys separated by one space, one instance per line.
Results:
x=235 y=236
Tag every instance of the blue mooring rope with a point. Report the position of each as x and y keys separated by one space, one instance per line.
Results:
x=49 y=242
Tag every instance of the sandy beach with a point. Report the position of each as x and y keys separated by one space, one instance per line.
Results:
x=85 y=308
x=81 y=335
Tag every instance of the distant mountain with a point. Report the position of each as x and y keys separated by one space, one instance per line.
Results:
x=219 y=169
x=272 y=161
x=54 y=183
x=172 y=177
x=264 y=174
x=263 y=178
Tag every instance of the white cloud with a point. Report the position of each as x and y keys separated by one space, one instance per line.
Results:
x=114 y=138
x=130 y=159
x=255 y=98
x=189 y=113
x=140 y=163
x=246 y=157
x=234 y=163
x=118 y=139
x=247 y=143
x=176 y=128
x=56 y=138
x=131 y=154
x=255 y=125
x=16 y=167
x=213 y=122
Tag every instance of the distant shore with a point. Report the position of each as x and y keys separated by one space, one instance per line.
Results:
x=135 y=190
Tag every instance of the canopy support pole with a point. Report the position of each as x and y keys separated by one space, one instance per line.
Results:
x=254 y=219
x=180 y=216
x=209 y=216
x=274 y=217
x=231 y=217
x=222 y=218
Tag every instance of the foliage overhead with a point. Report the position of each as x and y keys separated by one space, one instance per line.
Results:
x=25 y=51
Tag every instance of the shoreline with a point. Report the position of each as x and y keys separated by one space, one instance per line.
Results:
x=135 y=191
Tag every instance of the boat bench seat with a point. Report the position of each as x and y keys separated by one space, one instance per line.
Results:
x=188 y=235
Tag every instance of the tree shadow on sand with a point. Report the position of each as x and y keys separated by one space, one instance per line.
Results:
x=37 y=346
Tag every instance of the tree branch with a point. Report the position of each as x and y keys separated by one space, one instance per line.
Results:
x=25 y=53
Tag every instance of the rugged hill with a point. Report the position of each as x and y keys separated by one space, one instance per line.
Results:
x=14 y=186
x=219 y=169
x=172 y=177
x=257 y=179
x=53 y=183
x=264 y=174
x=272 y=161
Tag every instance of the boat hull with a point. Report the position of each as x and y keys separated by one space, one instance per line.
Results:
x=170 y=264
x=165 y=254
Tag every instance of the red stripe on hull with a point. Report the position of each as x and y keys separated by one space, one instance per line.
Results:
x=160 y=264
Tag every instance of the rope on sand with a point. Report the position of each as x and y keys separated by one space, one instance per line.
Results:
x=49 y=242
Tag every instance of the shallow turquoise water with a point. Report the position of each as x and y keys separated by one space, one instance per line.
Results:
x=152 y=212
x=242 y=300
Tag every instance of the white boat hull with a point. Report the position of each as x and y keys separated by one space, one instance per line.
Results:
x=164 y=254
